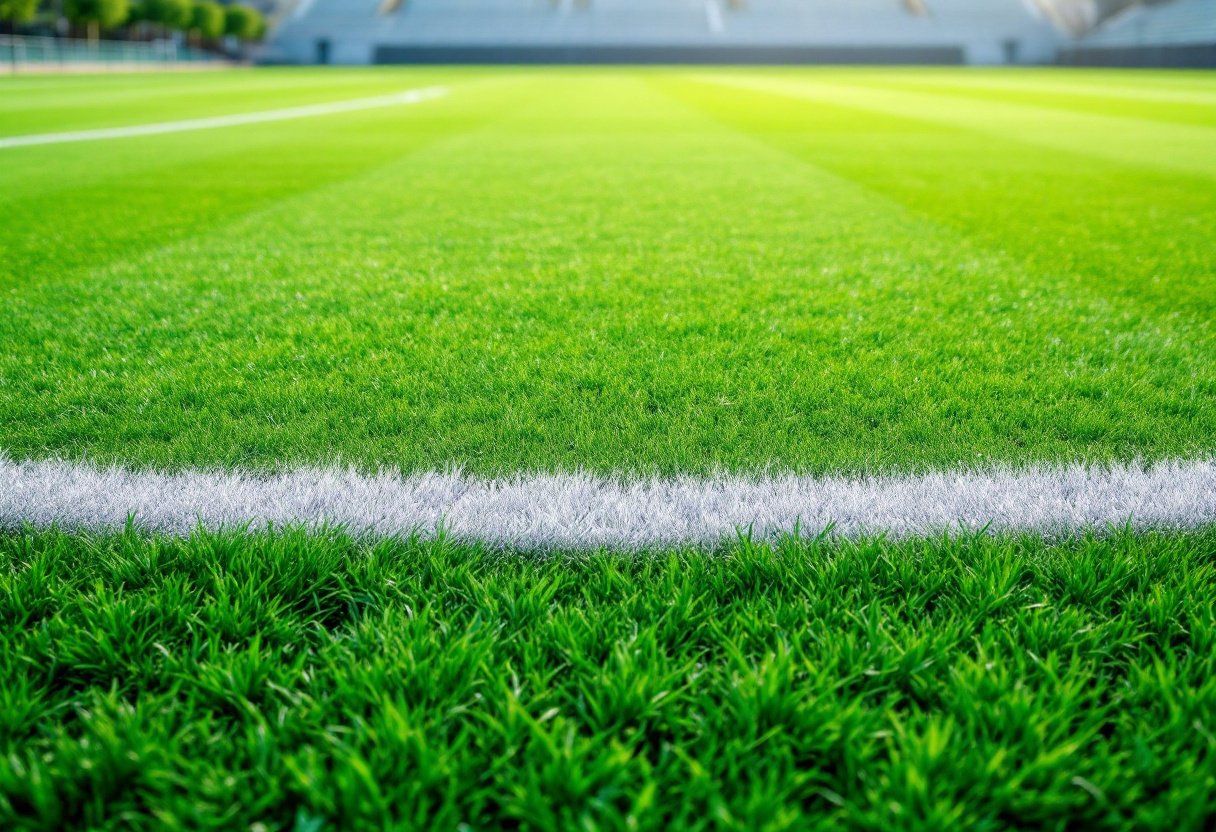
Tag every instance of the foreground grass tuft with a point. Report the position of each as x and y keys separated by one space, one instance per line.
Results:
x=296 y=681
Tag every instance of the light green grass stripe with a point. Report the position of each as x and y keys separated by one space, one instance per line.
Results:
x=1125 y=87
x=1126 y=140
x=1176 y=109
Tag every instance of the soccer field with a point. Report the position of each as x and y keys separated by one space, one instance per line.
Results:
x=618 y=272
x=657 y=448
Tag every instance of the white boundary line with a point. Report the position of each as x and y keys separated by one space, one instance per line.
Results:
x=580 y=511
x=407 y=97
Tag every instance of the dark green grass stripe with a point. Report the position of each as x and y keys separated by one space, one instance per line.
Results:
x=288 y=679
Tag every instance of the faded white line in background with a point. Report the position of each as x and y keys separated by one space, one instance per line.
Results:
x=407 y=97
x=579 y=511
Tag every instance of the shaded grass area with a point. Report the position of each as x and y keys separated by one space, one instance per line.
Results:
x=303 y=681
x=612 y=270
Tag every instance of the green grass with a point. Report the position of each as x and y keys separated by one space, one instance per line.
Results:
x=675 y=271
x=659 y=270
x=293 y=680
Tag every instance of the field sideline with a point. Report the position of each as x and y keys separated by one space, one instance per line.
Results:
x=698 y=448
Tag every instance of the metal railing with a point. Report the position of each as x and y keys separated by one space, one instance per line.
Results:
x=19 y=51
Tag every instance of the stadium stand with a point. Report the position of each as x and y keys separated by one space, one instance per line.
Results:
x=669 y=31
x=1176 y=34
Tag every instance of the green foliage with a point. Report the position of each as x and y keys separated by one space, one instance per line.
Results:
x=231 y=680
x=18 y=11
x=243 y=22
x=207 y=19
x=173 y=14
x=105 y=13
x=616 y=270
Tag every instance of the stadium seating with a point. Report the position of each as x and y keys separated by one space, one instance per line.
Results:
x=1179 y=34
x=673 y=31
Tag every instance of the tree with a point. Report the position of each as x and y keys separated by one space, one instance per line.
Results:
x=18 y=11
x=207 y=19
x=98 y=14
x=243 y=22
x=172 y=14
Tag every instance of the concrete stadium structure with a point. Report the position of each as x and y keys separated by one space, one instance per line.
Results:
x=1092 y=32
x=670 y=31
x=1181 y=33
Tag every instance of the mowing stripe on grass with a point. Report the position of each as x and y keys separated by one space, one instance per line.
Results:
x=580 y=511
x=407 y=97
x=1142 y=143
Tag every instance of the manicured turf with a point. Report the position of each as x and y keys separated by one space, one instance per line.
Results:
x=672 y=271
x=295 y=680
x=661 y=271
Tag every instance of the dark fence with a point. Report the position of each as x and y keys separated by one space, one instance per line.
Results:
x=390 y=54
x=1193 y=56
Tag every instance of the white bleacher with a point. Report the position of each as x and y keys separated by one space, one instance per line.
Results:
x=1179 y=23
x=979 y=31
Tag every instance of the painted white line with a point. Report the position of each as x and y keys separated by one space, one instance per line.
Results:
x=407 y=97
x=578 y=511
